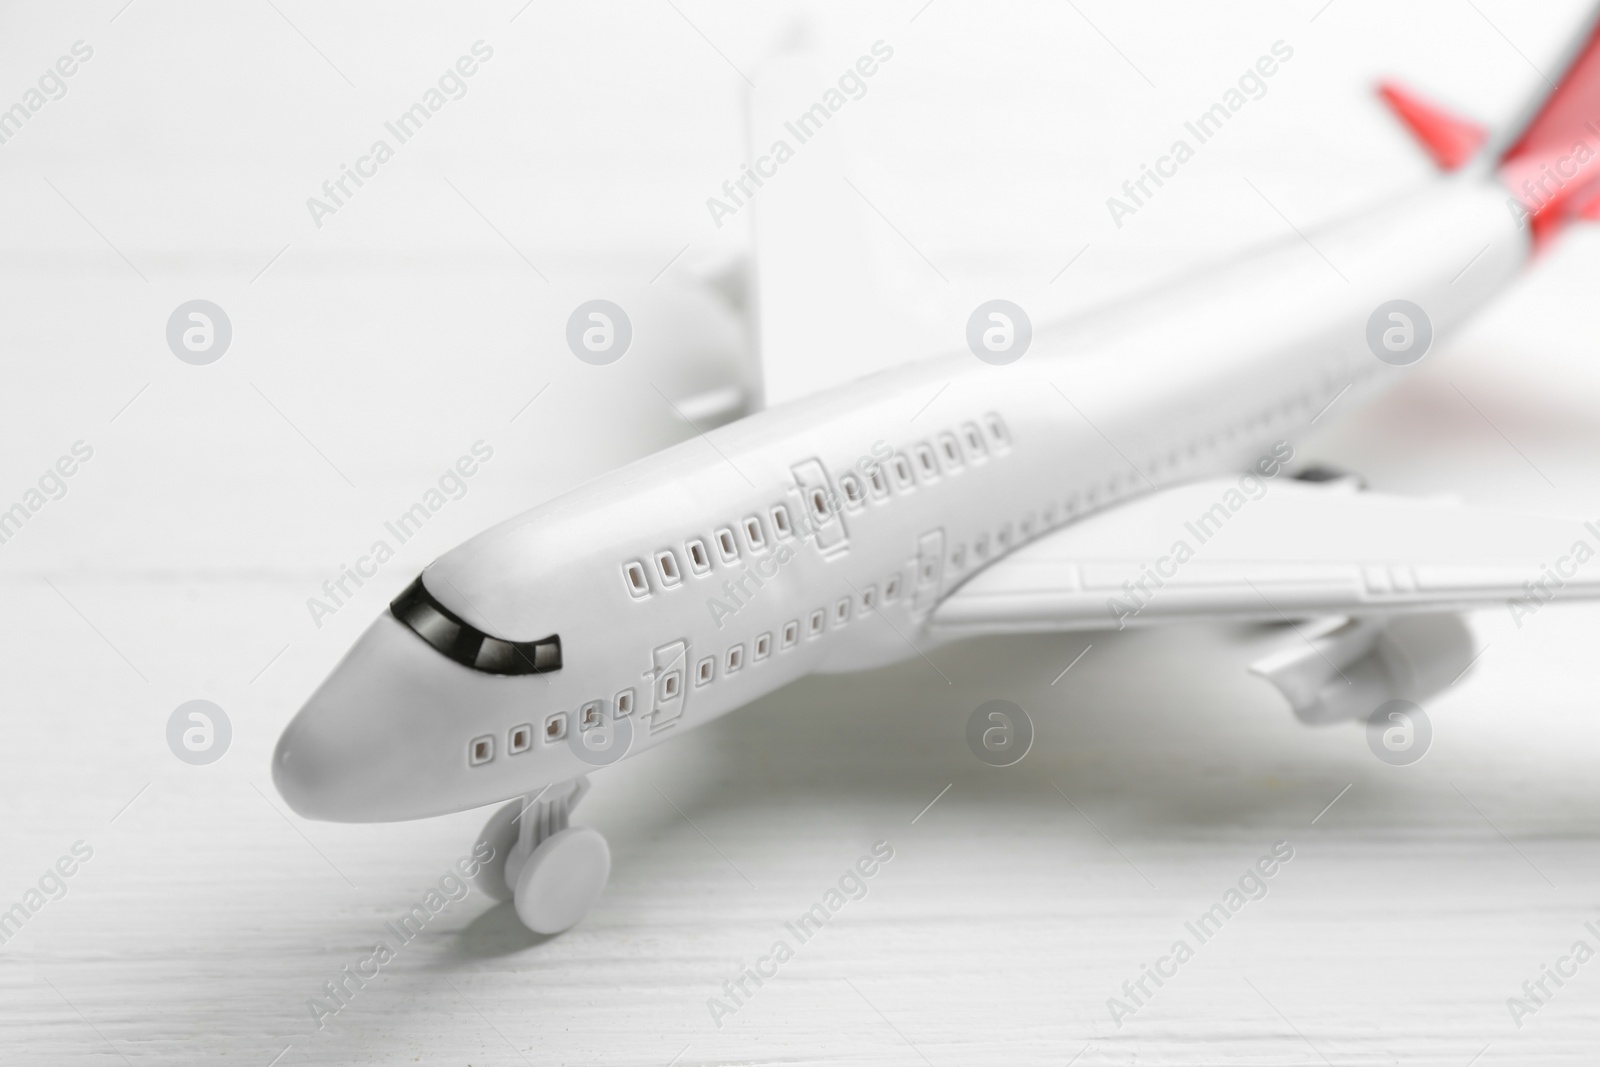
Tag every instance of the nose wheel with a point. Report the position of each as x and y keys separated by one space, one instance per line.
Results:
x=552 y=872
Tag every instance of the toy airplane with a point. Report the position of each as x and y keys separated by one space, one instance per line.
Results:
x=1130 y=469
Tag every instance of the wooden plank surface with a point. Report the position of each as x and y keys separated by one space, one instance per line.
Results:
x=1012 y=909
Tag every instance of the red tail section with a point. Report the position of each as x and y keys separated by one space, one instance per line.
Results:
x=1551 y=162
x=1552 y=165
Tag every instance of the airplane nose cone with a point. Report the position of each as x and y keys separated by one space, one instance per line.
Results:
x=306 y=768
x=350 y=754
x=387 y=735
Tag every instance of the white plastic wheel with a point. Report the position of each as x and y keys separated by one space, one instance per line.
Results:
x=500 y=833
x=562 y=879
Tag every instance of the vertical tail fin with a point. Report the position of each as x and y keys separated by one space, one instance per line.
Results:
x=1549 y=160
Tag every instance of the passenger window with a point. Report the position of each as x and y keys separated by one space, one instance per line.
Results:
x=853 y=496
x=879 y=485
x=904 y=480
x=667 y=568
x=951 y=450
x=791 y=633
x=638 y=584
x=589 y=716
x=735 y=659
x=699 y=559
x=819 y=620
x=705 y=671
x=754 y=535
x=780 y=521
x=624 y=702
x=974 y=439
x=763 y=646
x=726 y=545
x=926 y=462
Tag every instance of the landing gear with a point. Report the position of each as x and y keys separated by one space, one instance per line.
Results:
x=551 y=871
x=499 y=834
x=562 y=879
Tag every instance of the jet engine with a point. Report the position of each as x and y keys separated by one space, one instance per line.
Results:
x=1345 y=668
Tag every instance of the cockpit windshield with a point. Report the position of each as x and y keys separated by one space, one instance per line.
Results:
x=466 y=644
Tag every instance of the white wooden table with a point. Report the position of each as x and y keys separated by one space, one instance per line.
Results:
x=377 y=349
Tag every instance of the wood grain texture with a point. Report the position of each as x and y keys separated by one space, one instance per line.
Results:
x=1012 y=909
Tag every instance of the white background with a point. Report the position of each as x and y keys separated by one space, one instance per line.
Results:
x=374 y=350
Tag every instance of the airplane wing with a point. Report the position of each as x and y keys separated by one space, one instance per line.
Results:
x=1214 y=550
x=821 y=317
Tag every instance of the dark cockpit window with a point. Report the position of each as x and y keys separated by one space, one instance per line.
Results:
x=467 y=645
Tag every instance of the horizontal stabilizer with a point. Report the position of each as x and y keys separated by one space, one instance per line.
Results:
x=1450 y=140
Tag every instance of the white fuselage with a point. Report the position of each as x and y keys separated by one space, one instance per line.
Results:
x=1192 y=380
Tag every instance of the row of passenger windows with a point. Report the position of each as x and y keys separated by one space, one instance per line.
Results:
x=950 y=451
x=728 y=543
x=1123 y=483
x=927 y=460
x=520 y=738
x=816 y=623
x=1309 y=402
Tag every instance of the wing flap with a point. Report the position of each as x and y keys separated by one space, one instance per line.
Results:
x=1213 y=550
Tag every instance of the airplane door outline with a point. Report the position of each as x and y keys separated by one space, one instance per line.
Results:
x=930 y=571
x=819 y=507
x=669 y=689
